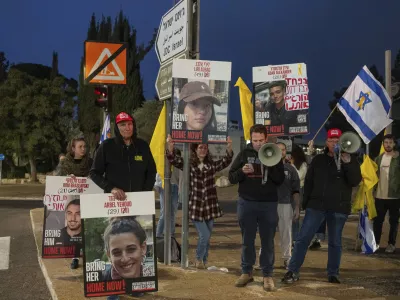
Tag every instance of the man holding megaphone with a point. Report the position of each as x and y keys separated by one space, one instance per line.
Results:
x=327 y=195
x=259 y=170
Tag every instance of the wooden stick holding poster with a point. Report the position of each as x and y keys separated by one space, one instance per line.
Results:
x=62 y=232
x=119 y=244
x=281 y=99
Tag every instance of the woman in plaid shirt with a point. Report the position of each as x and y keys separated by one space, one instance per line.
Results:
x=203 y=201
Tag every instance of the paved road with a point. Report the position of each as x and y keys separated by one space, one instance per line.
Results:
x=20 y=274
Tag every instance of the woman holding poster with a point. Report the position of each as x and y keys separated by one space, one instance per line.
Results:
x=203 y=201
x=76 y=163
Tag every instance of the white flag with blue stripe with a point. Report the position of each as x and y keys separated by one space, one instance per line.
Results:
x=367 y=233
x=366 y=105
x=106 y=133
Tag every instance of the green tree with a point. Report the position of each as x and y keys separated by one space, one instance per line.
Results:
x=145 y=125
x=4 y=64
x=32 y=109
x=397 y=61
x=127 y=97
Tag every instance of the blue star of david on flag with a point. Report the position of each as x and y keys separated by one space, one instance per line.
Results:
x=363 y=100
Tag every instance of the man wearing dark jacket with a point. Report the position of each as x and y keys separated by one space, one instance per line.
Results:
x=257 y=206
x=124 y=163
x=327 y=195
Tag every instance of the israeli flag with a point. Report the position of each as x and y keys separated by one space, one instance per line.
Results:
x=106 y=133
x=366 y=105
x=369 y=245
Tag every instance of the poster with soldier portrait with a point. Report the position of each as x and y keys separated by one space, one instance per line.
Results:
x=281 y=99
x=119 y=244
x=200 y=97
x=62 y=226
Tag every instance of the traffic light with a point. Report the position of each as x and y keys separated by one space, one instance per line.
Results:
x=101 y=93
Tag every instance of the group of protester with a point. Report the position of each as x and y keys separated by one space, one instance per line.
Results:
x=269 y=197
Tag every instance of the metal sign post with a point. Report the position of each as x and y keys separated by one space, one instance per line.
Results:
x=193 y=41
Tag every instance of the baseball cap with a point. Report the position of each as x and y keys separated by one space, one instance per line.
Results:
x=194 y=90
x=123 y=116
x=334 y=133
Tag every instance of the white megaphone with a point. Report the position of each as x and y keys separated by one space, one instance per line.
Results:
x=269 y=154
x=349 y=142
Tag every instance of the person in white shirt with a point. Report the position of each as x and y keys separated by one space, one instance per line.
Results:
x=387 y=193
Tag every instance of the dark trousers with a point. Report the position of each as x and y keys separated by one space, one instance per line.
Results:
x=264 y=216
x=312 y=221
x=382 y=206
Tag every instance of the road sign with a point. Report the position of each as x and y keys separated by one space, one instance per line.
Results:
x=1 y=156
x=172 y=36
x=164 y=79
x=105 y=63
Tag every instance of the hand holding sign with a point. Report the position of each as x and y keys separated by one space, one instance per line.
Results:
x=170 y=144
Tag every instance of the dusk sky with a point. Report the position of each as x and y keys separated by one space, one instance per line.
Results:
x=334 y=38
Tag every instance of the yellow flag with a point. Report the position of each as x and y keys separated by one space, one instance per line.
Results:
x=246 y=107
x=364 y=193
x=382 y=149
x=157 y=144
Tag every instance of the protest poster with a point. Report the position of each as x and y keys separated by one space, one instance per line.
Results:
x=281 y=99
x=119 y=244
x=62 y=236
x=200 y=94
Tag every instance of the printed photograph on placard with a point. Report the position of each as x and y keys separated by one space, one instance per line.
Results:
x=200 y=101
x=62 y=232
x=62 y=226
x=119 y=250
x=281 y=99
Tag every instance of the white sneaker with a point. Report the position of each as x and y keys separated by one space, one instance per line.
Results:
x=390 y=248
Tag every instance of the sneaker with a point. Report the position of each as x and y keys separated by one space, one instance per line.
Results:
x=269 y=285
x=244 y=279
x=286 y=263
x=290 y=277
x=75 y=263
x=316 y=244
x=333 y=279
x=390 y=248
x=199 y=264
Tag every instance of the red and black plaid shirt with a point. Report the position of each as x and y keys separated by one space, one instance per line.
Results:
x=203 y=200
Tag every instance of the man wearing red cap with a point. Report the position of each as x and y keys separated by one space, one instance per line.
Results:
x=327 y=195
x=124 y=163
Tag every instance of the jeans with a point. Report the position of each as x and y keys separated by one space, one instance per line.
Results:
x=174 y=209
x=296 y=224
x=320 y=234
x=382 y=206
x=204 y=230
x=263 y=215
x=312 y=221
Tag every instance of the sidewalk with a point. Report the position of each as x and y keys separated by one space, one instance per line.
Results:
x=34 y=191
x=364 y=277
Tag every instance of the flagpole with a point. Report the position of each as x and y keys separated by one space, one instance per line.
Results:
x=326 y=120
x=388 y=83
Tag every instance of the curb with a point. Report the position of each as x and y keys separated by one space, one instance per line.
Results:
x=41 y=264
x=22 y=198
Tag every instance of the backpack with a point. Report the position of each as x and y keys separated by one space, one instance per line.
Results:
x=175 y=250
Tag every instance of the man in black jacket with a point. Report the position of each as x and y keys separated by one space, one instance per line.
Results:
x=257 y=206
x=124 y=163
x=327 y=195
